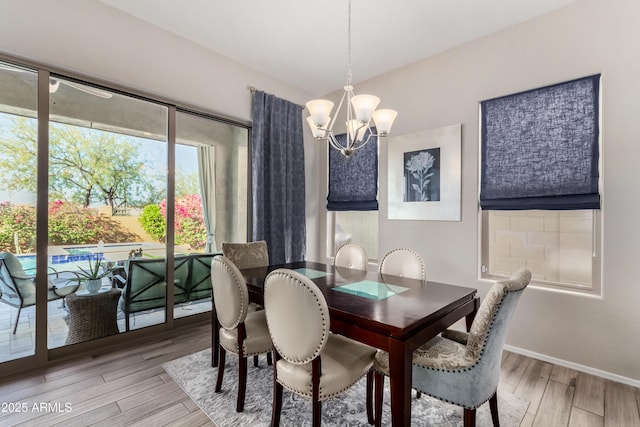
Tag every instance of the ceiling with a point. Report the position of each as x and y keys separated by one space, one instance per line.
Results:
x=304 y=42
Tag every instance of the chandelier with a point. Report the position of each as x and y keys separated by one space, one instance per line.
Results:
x=360 y=110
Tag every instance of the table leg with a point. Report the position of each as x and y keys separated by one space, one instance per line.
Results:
x=469 y=318
x=400 y=381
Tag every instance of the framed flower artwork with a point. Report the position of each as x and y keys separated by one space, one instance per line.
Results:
x=424 y=175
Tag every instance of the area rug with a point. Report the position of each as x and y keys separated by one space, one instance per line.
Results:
x=196 y=376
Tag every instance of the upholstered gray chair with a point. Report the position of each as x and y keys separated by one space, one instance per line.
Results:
x=309 y=360
x=351 y=255
x=241 y=332
x=464 y=368
x=404 y=263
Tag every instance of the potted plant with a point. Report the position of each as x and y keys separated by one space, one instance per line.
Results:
x=93 y=275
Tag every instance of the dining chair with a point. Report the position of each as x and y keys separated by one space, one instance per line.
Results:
x=241 y=332
x=351 y=255
x=248 y=255
x=463 y=368
x=404 y=263
x=308 y=359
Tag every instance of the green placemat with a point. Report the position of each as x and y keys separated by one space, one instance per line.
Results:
x=371 y=289
x=311 y=274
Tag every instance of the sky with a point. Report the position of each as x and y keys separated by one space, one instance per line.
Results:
x=186 y=161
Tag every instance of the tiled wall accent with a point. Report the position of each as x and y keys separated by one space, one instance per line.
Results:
x=556 y=246
x=363 y=228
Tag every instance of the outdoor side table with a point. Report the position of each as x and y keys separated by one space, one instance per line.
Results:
x=92 y=316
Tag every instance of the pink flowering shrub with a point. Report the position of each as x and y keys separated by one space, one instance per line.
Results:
x=188 y=221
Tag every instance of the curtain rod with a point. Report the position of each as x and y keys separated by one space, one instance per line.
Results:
x=253 y=90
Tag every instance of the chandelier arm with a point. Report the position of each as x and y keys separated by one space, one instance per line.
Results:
x=337 y=113
x=334 y=142
x=364 y=142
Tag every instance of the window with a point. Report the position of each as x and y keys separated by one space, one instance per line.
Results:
x=539 y=185
x=352 y=201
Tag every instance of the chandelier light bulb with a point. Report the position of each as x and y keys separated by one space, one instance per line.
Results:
x=318 y=132
x=319 y=110
x=364 y=106
x=384 y=120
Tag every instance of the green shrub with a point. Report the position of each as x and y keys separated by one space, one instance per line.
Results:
x=153 y=222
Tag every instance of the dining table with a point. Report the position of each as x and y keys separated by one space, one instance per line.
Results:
x=392 y=313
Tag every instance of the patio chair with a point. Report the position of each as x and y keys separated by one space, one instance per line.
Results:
x=18 y=288
x=146 y=287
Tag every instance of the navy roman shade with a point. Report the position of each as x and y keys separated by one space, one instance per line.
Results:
x=540 y=148
x=353 y=182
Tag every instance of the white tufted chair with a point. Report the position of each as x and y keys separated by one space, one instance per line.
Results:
x=351 y=255
x=309 y=360
x=404 y=263
x=241 y=332
x=464 y=368
x=247 y=255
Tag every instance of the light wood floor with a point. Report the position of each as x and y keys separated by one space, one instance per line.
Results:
x=129 y=387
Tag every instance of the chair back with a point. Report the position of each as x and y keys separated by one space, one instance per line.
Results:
x=16 y=286
x=231 y=295
x=491 y=324
x=9 y=289
x=297 y=316
x=404 y=263
x=146 y=286
x=247 y=255
x=351 y=255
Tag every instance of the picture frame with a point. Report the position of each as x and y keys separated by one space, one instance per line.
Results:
x=425 y=174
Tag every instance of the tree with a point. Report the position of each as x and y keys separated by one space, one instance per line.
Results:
x=85 y=165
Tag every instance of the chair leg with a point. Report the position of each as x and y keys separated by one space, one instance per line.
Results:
x=269 y=360
x=493 y=404
x=469 y=417
x=221 y=358
x=379 y=385
x=242 y=383
x=277 y=404
x=255 y=361
x=370 y=417
x=317 y=413
x=215 y=343
x=15 y=328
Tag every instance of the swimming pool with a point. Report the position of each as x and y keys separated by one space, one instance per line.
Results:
x=72 y=260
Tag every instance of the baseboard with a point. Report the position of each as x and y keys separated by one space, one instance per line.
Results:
x=582 y=368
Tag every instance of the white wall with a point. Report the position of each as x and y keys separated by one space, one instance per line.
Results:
x=587 y=37
x=94 y=40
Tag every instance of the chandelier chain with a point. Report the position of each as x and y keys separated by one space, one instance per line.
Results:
x=349 y=75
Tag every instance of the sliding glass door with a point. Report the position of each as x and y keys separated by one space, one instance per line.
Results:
x=18 y=179
x=133 y=198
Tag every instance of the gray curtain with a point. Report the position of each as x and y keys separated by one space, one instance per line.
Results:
x=278 y=177
x=207 y=177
